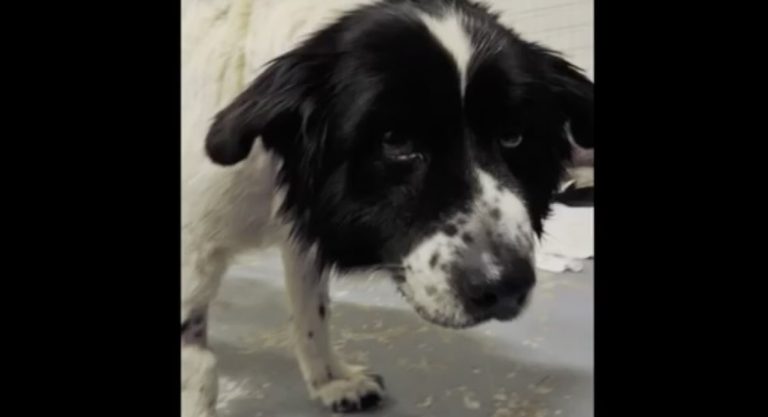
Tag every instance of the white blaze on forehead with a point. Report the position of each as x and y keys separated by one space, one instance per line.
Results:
x=449 y=31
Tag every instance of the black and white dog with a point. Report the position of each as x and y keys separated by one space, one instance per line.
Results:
x=416 y=137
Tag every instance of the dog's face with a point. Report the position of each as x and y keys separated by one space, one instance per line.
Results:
x=422 y=138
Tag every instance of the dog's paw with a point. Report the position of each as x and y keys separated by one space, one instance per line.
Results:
x=199 y=382
x=357 y=392
x=195 y=406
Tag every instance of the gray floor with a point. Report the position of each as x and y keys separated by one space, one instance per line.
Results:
x=538 y=366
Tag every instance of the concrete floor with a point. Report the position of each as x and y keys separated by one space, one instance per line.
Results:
x=540 y=365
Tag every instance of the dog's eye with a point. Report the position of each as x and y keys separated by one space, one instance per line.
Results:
x=511 y=141
x=398 y=148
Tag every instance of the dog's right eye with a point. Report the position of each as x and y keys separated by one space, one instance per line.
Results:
x=399 y=148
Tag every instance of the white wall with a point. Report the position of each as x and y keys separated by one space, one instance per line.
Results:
x=563 y=25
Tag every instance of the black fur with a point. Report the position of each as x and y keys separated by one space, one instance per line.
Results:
x=327 y=106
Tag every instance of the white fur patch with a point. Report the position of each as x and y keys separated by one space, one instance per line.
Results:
x=450 y=32
x=326 y=375
x=513 y=214
x=199 y=382
x=427 y=286
x=497 y=217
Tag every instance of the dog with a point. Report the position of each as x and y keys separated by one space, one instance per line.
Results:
x=417 y=138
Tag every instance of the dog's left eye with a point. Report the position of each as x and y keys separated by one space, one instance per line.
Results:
x=398 y=148
x=511 y=141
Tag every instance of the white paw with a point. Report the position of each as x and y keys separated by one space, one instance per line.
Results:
x=199 y=382
x=356 y=392
x=197 y=404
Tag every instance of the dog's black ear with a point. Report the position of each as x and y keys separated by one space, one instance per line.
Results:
x=281 y=90
x=576 y=94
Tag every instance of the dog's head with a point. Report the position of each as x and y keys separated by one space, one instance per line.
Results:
x=420 y=137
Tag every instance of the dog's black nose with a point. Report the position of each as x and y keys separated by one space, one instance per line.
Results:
x=501 y=298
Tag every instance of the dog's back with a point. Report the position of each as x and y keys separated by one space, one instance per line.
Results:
x=225 y=44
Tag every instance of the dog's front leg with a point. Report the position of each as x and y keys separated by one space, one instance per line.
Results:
x=341 y=387
x=201 y=270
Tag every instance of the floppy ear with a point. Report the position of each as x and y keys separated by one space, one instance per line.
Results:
x=576 y=94
x=281 y=90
